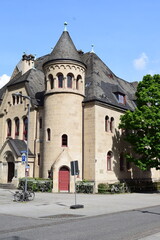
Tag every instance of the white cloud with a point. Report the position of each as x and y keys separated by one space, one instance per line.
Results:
x=4 y=79
x=141 y=62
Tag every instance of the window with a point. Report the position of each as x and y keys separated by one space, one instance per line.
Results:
x=106 y=123
x=25 y=128
x=121 y=98
x=48 y=134
x=112 y=124
x=9 y=127
x=69 y=80
x=109 y=164
x=60 y=81
x=50 y=77
x=39 y=159
x=77 y=81
x=121 y=160
x=128 y=165
x=14 y=100
x=40 y=123
x=16 y=127
x=64 y=140
x=17 y=99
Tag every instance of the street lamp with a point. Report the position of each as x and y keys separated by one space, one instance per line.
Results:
x=18 y=94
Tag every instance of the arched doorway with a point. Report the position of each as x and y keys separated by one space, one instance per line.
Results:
x=64 y=179
x=11 y=165
x=10 y=171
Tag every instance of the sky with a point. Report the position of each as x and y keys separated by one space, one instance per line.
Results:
x=125 y=33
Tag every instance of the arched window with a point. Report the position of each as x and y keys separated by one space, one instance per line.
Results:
x=17 y=99
x=106 y=123
x=48 y=134
x=60 y=80
x=109 y=163
x=9 y=127
x=51 y=79
x=16 y=127
x=40 y=122
x=112 y=124
x=25 y=128
x=77 y=81
x=121 y=162
x=64 y=140
x=69 y=80
x=14 y=100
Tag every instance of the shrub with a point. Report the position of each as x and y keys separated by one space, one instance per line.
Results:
x=84 y=186
x=103 y=188
x=41 y=185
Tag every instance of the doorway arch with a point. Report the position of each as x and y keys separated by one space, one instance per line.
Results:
x=11 y=165
x=64 y=179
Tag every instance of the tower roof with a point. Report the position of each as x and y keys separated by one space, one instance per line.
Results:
x=64 y=49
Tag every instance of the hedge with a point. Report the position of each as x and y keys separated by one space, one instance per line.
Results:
x=36 y=184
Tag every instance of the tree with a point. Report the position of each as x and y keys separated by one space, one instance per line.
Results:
x=142 y=126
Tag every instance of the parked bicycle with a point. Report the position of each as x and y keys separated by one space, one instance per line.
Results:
x=22 y=196
x=119 y=188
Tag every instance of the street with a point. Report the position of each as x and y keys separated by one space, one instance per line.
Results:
x=128 y=225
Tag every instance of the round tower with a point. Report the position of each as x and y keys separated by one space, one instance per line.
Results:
x=64 y=76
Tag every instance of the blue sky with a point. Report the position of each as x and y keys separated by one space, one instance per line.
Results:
x=125 y=33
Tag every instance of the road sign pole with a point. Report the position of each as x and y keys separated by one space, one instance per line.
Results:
x=74 y=172
x=75 y=182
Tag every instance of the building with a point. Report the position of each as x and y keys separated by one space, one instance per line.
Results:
x=75 y=108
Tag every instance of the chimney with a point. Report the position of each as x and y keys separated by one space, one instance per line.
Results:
x=27 y=62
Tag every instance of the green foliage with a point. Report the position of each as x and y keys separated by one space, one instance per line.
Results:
x=36 y=184
x=117 y=187
x=143 y=125
x=103 y=188
x=84 y=186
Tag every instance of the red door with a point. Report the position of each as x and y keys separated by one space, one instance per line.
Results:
x=64 y=179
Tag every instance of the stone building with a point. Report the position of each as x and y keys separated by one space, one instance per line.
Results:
x=75 y=105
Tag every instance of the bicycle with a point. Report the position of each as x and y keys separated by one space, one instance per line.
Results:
x=22 y=196
x=115 y=188
x=120 y=188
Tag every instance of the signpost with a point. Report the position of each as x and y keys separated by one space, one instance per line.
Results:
x=23 y=154
x=74 y=172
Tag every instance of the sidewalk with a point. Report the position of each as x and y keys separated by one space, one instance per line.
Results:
x=46 y=205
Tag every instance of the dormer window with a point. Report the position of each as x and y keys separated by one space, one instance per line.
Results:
x=121 y=98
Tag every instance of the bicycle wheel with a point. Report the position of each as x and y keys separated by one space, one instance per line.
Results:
x=31 y=195
x=17 y=197
x=112 y=189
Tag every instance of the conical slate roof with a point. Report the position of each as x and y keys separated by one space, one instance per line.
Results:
x=64 y=49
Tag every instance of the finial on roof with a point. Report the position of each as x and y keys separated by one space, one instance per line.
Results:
x=65 y=26
x=92 y=50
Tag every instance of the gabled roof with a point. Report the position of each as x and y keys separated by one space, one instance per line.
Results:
x=17 y=146
x=102 y=84
x=33 y=80
x=64 y=49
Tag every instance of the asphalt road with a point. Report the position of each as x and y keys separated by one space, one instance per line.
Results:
x=126 y=225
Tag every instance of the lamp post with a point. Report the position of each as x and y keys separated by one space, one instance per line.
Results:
x=18 y=94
